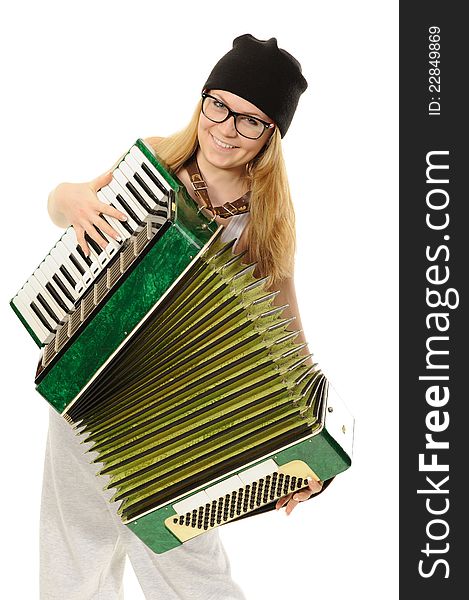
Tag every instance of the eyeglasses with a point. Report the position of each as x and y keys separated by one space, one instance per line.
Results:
x=247 y=126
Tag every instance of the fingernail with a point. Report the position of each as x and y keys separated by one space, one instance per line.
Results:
x=123 y=218
x=296 y=497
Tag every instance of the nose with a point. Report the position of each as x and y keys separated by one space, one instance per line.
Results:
x=227 y=128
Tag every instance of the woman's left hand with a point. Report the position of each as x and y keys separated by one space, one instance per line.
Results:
x=294 y=498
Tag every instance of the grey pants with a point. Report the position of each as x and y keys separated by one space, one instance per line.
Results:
x=83 y=544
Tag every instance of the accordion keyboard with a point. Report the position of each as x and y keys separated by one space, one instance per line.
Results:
x=53 y=293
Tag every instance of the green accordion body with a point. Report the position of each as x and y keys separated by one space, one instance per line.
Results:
x=187 y=382
x=211 y=381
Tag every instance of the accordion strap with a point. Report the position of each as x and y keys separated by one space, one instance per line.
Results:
x=241 y=205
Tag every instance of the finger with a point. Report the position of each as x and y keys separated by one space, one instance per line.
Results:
x=282 y=501
x=94 y=235
x=315 y=486
x=80 y=233
x=303 y=495
x=101 y=181
x=107 y=209
x=104 y=226
x=291 y=505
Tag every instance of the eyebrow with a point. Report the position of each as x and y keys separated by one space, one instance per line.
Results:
x=240 y=112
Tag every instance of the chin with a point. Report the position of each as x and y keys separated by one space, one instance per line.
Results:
x=223 y=161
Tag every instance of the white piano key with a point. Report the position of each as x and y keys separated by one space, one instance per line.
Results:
x=142 y=159
x=48 y=268
x=70 y=242
x=90 y=261
x=258 y=471
x=21 y=303
x=98 y=253
x=113 y=222
x=61 y=281
x=132 y=187
x=109 y=193
x=137 y=168
x=42 y=303
x=117 y=185
x=62 y=261
x=189 y=504
x=129 y=171
x=64 y=253
x=113 y=245
x=70 y=239
x=30 y=293
x=38 y=282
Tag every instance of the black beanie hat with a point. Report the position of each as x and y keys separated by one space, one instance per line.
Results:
x=263 y=74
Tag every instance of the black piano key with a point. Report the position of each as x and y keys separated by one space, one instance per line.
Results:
x=48 y=308
x=76 y=264
x=124 y=224
x=63 y=289
x=145 y=187
x=96 y=247
x=138 y=197
x=68 y=276
x=129 y=211
x=52 y=291
x=154 y=178
x=105 y=236
x=87 y=259
x=41 y=317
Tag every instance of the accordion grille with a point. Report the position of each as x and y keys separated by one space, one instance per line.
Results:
x=240 y=501
x=211 y=381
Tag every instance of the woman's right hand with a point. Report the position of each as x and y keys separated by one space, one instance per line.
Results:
x=77 y=204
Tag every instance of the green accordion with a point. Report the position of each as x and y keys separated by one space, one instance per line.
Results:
x=188 y=382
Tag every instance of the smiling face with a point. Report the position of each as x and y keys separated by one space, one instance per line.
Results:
x=220 y=144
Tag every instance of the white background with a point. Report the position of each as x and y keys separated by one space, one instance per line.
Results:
x=81 y=81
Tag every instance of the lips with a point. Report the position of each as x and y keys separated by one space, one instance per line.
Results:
x=222 y=145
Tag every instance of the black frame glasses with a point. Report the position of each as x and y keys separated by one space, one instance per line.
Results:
x=235 y=115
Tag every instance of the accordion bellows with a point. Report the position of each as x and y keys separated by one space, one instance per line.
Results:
x=211 y=381
x=175 y=365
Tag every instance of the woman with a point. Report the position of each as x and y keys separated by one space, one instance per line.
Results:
x=233 y=141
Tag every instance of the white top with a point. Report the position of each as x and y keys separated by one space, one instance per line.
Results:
x=235 y=228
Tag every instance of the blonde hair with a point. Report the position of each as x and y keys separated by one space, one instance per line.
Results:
x=271 y=237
